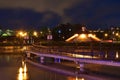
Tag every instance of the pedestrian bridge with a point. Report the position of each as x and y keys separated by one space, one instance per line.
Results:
x=80 y=59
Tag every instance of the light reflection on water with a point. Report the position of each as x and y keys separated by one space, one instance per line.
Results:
x=15 y=65
x=117 y=55
x=12 y=49
x=75 y=78
x=23 y=73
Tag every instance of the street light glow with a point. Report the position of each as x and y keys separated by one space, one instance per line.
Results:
x=35 y=33
x=83 y=36
x=105 y=34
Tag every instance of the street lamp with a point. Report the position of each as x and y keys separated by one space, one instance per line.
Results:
x=35 y=33
x=106 y=35
x=22 y=35
x=117 y=34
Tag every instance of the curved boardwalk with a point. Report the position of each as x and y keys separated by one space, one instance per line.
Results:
x=55 y=53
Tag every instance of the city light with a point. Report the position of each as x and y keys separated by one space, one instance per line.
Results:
x=35 y=33
x=117 y=55
x=105 y=34
x=83 y=36
x=72 y=37
x=22 y=34
x=117 y=34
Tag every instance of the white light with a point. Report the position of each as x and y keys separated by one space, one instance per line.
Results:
x=117 y=55
x=83 y=36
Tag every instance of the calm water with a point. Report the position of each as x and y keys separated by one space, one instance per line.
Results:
x=13 y=67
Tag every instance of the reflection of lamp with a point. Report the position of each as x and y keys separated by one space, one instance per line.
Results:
x=23 y=75
x=75 y=78
x=117 y=56
x=20 y=75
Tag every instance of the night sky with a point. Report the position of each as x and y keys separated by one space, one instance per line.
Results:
x=32 y=14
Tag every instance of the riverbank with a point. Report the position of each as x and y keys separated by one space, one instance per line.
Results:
x=4 y=50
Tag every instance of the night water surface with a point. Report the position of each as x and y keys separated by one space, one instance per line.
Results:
x=14 y=67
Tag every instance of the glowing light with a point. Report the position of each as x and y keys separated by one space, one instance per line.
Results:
x=22 y=34
x=25 y=34
x=25 y=68
x=117 y=55
x=35 y=33
x=24 y=48
x=94 y=37
x=79 y=78
x=90 y=35
x=75 y=78
x=117 y=34
x=75 y=35
x=70 y=29
x=83 y=28
x=113 y=32
x=83 y=36
x=105 y=34
x=23 y=75
x=23 y=63
x=82 y=79
x=41 y=32
x=20 y=75
x=106 y=55
x=83 y=56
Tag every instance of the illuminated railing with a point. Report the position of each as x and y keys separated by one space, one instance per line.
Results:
x=77 y=53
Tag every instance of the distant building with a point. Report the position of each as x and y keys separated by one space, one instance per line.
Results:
x=83 y=37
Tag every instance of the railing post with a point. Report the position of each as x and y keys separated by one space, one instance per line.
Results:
x=81 y=67
x=57 y=60
x=41 y=59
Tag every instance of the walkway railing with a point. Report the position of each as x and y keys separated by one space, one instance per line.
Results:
x=76 y=52
x=70 y=54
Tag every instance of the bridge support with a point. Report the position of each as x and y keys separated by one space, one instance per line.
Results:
x=41 y=59
x=57 y=60
x=81 y=67
x=28 y=55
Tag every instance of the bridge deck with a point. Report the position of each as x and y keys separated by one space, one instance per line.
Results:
x=72 y=57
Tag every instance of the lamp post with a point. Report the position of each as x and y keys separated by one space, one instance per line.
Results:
x=35 y=35
x=22 y=36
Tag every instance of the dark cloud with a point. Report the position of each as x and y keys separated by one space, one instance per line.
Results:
x=24 y=18
x=57 y=6
x=52 y=12
x=95 y=12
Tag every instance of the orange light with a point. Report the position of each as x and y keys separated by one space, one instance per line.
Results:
x=106 y=34
x=35 y=33
x=83 y=36
x=90 y=35
x=117 y=55
x=117 y=34
x=75 y=35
